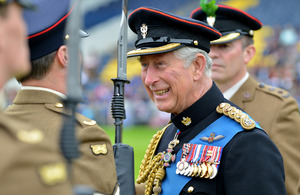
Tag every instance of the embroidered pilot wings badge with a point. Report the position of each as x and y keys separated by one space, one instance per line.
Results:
x=212 y=138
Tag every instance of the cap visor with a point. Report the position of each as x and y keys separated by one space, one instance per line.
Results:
x=154 y=50
x=227 y=38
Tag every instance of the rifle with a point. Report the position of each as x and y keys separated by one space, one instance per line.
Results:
x=124 y=155
x=68 y=142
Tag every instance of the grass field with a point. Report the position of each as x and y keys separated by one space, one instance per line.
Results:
x=136 y=136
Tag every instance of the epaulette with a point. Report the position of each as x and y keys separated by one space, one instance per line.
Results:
x=274 y=90
x=236 y=114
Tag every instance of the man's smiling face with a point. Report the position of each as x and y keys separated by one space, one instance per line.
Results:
x=167 y=81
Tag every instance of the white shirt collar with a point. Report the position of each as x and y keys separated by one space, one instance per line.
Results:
x=44 y=89
x=232 y=90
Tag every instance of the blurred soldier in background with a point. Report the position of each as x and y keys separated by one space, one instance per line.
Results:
x=39 y=102
x=29 y=164
x=274 y=109
x=208 y=147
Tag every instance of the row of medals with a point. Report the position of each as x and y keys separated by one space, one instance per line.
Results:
x=203 y=170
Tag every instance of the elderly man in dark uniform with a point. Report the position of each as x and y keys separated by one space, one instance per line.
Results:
x=210 y=146
x=39 y=102
x=29 y=164
x=274 y=109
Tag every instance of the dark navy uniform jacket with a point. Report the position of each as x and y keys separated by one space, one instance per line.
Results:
x=250 y=164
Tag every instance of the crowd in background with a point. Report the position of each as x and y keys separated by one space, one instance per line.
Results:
x=279 y=66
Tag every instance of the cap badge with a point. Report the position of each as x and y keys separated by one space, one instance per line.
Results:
x=212 y=138
x=54 y=173
x=144 y=29
x=186 y=121
x=99 y=149
x=211 y=20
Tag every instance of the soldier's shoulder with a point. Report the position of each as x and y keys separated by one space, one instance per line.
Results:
x=19 y=134
x=28 y=146
x=13 y=127
x=277 y=92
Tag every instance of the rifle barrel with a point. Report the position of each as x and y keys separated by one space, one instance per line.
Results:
x=117 y=106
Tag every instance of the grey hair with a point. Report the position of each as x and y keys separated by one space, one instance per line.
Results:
x=188 y=55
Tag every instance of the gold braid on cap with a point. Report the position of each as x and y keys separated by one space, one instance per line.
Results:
x=152 y=170
x=237 y=115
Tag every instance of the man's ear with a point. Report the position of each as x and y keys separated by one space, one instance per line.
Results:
x=249 y=53
x=62 y=55
x=199 y=66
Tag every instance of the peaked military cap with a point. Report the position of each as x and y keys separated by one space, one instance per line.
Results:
x=231 y=22
x=46 y=26
x=23 y=3
x=160 y=32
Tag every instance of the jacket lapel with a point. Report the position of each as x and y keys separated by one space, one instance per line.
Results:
x=245 y=93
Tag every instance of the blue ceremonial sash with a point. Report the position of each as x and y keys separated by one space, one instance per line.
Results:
x=174 y=183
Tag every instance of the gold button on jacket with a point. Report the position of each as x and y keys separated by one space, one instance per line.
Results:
x=190 y=189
